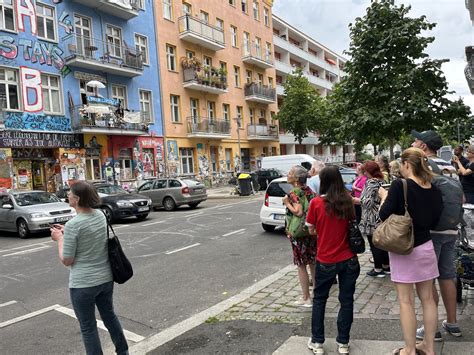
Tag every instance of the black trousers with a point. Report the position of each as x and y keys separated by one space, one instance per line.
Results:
x=380 y=256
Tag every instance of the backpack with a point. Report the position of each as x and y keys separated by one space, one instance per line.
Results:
x=452 y=195
x=296 y=225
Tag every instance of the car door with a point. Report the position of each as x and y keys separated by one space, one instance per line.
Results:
x=174 y=189
x=159 y=191
x=6 y=215
x=147 y=190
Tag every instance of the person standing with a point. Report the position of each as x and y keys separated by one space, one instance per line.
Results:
x=430 y=142
x=419 y=268
x=304 y=248
x=82 y=245
x=328 y=217
x=313 y=181
x=357 y=188
x=466 y=173
x=382 y=161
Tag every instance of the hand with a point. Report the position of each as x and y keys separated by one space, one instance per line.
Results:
x=455 y=159
x=286 y=200
x=382 y=193
x=58 y=226
x=56 y=234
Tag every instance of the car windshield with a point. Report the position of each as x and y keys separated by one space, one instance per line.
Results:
x=34 y=198
x=190 y=182
x=348 y=178
x=111 y=190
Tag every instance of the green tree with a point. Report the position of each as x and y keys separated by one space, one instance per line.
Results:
x=391 y=86
x=458 y=129
x=302 y=111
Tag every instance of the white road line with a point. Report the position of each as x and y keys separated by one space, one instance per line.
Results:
x=234 y=232
x=7 y=303
x=28 y=251
x=122 y=226
x=193 y=214
x=128 y=334
x=27 y=316
x=23 y=246
x=181 y=249
x=152 y=223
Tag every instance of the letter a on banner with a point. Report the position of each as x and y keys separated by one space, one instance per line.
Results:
x=26 y=8
x=31 y=89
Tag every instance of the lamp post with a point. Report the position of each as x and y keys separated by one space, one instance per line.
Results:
x=238 y=120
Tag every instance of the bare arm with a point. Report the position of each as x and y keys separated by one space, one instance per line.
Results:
x=57 y=235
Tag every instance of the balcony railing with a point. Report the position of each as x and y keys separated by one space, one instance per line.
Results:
x=262 y=131
x=196 y=31
x=260 y=93
x=124 y=9
x=256 y=55
x=203 y=126
x=204 y=79
x=112 y=57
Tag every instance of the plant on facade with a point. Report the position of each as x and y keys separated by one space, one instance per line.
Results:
x=302 y=111
x=190 y=63
x=391 y=86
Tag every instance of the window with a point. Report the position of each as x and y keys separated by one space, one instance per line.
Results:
x=204 y=16
x=51 y=93
x=266 y=16
x=246 y=43
x=220 y=23
x=190 y=54
x=146 y=107
x=9 y=90
x=93 y=168
x=211 y=110
x=260 y=78
x=258 y=47
x=187 y=9
x=237 y=76
x=194 y=106
x=174 y=106
x=171 y=57
x=141 y=4
x=7 y=19
x=223 y=66
x=240 y=118
x=141 y=45
x=187 y=160
x=249 y=76
x=256 y=10
x=119 y=92
x=85 y=91
x=114 y=41
x=244 y=6
x=263 y=116
x=251 y=115
x=233 y=36
x=83 y=30
x=125 y=163
x=226 y=112
x=46 y=22
x=268 y=52
x=270 y=82
x=228 y=159
x=167 y=9
x=207 y=62
x=232 y=2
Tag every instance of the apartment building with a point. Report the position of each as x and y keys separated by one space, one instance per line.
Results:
x=218 y=85
x=323 y=68
x=75 y=91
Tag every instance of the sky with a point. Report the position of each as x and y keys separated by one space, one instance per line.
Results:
x=327 y=22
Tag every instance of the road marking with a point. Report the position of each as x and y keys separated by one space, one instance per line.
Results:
x=152 y=223
x=7 y=303
x=181 y=249
x=234 y=232
x=128 y=334
x=28 y=316
x=23 y=247
x=193 y=214
x=122 y=226
x=28 y=251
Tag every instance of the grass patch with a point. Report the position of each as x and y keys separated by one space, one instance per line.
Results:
x=212 y=320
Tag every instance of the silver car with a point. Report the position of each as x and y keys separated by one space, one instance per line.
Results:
x=171 y=193
x=32 y=211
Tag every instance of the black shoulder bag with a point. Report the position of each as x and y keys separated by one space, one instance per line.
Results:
x=121 y=267
x=356 y=240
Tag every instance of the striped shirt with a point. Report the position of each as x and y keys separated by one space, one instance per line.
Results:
x=85 y=240
x=440 y=166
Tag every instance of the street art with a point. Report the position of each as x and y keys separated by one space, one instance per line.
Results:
x=173 y=159
x=26 y=9
x=203 y=161
x=66 y=23
x=38 y=122
x=31 y=89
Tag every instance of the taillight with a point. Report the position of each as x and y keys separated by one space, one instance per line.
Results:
x=266 y=199
x=185 y=190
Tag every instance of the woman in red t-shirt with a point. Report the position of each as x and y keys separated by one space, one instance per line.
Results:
x=328 y=217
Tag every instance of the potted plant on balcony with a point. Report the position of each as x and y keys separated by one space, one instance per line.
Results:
x=190 y=63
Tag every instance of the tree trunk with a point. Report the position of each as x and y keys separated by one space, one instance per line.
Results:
x=392 y=144
x=343 y=153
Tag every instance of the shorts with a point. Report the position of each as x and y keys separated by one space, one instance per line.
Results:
x=444 y=248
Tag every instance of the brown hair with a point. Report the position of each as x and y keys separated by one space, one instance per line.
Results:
x=88 y=197
x=338 y=200
x=373 y=169
x=419 y=163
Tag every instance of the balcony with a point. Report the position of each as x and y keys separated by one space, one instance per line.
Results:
x=259 y=93
x=253 y=54
x=262 y=132
x=124 y=9
x=203 y=127
x=205 y=79
x=196 y=31
x=95 y=54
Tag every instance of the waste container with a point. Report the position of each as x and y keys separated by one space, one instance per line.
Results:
x=245 y=184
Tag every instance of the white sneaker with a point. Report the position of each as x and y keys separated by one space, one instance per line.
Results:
x=342 y=348
x=317 y=348
x=304 y=303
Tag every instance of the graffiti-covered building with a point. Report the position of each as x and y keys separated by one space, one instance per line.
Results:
x=79 y=91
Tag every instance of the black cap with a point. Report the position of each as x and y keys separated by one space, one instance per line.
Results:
x=430 y=138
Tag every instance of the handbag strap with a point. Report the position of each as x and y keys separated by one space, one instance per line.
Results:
x=109 y=226
x=404 y=182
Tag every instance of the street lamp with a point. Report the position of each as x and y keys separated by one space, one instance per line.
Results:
x=238 y=120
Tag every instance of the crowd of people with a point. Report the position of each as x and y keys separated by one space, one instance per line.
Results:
x=377 y=193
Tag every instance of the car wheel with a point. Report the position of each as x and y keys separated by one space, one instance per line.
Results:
x=193 y=205
x=268 y=227
x=169 y=204
x=108 y=214
x=22 y=228
x=142 y=217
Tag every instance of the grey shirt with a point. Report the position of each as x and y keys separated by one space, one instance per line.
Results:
x=85 y=240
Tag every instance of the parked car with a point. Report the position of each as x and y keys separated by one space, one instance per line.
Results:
x=264 y=176
x=117 y=203
x=32 y=211
x=273 y=212
x=172 y=193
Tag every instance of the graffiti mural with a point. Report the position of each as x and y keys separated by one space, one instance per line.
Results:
x=203 y=161
x=66 y=23
x=37 y=122
x=173 y=158
x=6 y=169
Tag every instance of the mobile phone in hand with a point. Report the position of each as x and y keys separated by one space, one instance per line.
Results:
x=56 y=226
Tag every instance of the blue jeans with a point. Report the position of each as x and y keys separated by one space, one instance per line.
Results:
x=347 y=273
x=84 y=301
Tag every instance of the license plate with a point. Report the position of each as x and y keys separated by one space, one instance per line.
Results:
x=279 y=216
x=197 y=190
x=142 y=209
x=61 y=219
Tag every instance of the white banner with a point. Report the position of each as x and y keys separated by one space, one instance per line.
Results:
x=132 y=117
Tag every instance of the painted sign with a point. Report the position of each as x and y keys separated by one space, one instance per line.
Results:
x=88 y=77
x=36 y=122
x=16 y=139
x=102 y=100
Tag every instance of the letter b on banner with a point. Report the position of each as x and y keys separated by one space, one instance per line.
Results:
x=31 y=89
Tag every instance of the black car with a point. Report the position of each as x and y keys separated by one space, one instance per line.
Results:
x=264 y=176
x=117 y=203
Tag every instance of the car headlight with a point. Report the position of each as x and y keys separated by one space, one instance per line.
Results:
x=38 y=215
x=123 y=203
x=150 y=202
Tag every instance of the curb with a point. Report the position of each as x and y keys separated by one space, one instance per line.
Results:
x=228 y=196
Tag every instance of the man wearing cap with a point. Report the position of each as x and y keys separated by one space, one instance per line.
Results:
x=443 y=241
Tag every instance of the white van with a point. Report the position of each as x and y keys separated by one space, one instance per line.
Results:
x=285 y=162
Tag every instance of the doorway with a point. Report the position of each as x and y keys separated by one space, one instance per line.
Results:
x=38 y=176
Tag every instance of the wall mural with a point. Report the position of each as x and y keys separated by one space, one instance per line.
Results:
x=203 y=161
x=66 y=23
x=173 y=159
x=37 y=122
x=5 y=169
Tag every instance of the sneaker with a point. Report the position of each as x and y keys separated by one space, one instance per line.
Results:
x=452 y=329
x=420 y=334
x=387 y=271
x=317 y=348
x=342 y=348
x=374 y=273
x=304 y=303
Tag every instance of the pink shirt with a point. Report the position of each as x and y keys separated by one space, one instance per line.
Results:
x=359 y=183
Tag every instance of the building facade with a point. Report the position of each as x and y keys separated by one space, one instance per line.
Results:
x=323 y=68
x=79 y=93
x=218 y=90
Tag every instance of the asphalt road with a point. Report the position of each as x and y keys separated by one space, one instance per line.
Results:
x=185 y=261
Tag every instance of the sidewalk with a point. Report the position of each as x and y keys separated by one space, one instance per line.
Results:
x=227 y=192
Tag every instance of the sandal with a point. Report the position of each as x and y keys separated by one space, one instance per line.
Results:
x=397 y=351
